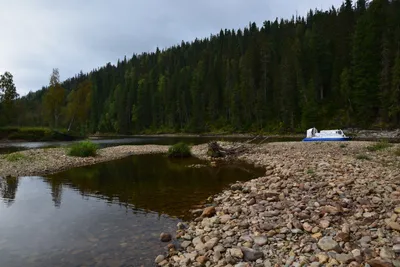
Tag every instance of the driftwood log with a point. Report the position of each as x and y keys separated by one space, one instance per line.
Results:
x=217 y=151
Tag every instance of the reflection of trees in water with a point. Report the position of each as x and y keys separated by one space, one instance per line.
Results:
x=8 y=189
x=148 y=182
x=80 y=179
x=56 y=193
x=56 y=188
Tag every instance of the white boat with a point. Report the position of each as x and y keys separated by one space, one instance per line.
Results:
x=326 y=135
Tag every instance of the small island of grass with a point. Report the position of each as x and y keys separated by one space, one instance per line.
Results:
x=179 y=150
x=83 y=149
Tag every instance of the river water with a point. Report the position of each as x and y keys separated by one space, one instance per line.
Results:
x=109 y=214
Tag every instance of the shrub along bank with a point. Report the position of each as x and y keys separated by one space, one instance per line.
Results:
x=36 y=134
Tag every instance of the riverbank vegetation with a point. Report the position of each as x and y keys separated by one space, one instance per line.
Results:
x=179 y=150
x=15 y=157
x=83 y=149
x=335 y=68
x=381 y=145
x=37 y=134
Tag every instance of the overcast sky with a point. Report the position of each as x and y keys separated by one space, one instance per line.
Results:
x=75 y=35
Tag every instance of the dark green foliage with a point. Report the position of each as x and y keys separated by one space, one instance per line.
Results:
x=179 y=150
x=336 y=68
x=83 y=149
x=36 y=134
x=8 y=93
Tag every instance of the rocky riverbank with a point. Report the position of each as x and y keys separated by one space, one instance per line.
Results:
x=51 y=160
x=319 y=204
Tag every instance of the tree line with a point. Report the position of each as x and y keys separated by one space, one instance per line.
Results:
x=334 y=68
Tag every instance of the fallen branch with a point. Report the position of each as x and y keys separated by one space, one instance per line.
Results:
x=217 y=151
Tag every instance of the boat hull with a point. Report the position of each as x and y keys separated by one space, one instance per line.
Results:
x=324 y=139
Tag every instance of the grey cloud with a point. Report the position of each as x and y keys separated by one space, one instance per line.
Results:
x=82 y=35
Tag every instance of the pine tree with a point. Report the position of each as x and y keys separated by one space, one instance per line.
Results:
x=54 y=99
x=395 y=99
x=8 y=95
x=385 y=80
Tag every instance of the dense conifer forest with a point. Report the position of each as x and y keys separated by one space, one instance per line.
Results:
x=338 y=68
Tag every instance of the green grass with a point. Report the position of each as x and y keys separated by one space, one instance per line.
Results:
x=13 y=157
x=381 y=145
x=397 y=152
x=179 y=150
x=363 y=157
x=83 y=149
x=343 y=145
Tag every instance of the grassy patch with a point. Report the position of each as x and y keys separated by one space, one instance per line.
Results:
x=310 y=171
x=83 y=149
x=15 y=157
x=397 y=152
x=179 y=150
x=363 y=157
x=343 y=145
x=381 y=145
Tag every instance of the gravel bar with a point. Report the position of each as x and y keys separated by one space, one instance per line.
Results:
x=318 y=204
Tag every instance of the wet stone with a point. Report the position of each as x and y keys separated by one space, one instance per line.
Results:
x=208 y=212
x=159 y=258
x=165 y=237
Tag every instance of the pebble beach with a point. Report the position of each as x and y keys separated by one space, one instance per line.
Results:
x=318 y=204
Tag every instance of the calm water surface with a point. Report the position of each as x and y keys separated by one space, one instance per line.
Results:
x=110 y=214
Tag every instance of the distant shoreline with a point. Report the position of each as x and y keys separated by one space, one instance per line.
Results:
x=357 y=135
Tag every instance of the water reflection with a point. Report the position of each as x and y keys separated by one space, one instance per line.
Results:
x=8 y=189
x=56 y=192
x=109 y=214
x=150 y=182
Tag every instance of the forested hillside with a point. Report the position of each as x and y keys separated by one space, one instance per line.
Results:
x=336 y=68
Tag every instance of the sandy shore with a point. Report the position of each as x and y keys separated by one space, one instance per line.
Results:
x=52 y=160
x=319 y=204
